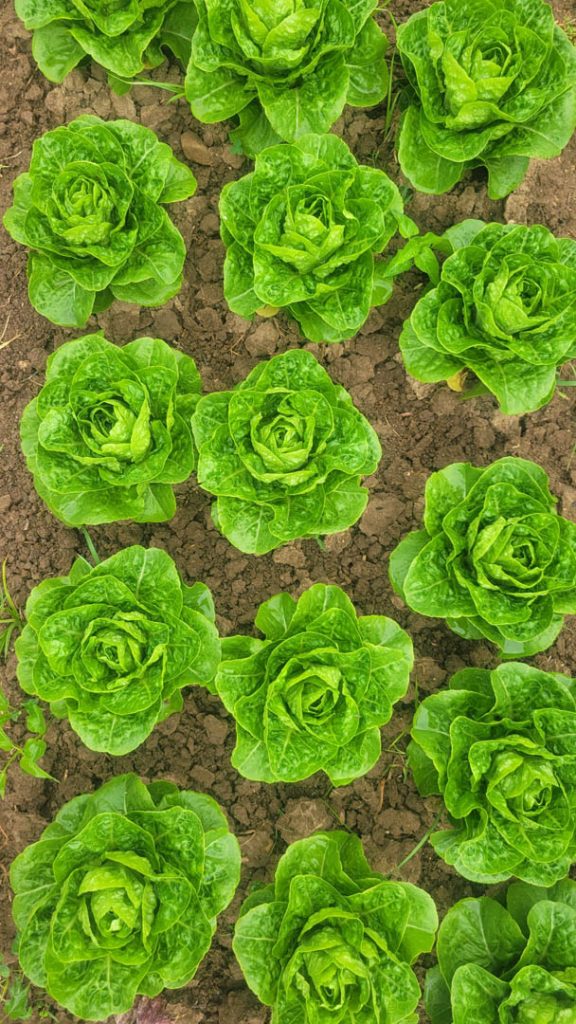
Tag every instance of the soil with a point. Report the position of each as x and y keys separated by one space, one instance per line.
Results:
x=422 y=428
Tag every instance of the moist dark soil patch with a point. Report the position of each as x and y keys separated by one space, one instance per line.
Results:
x=422 y=428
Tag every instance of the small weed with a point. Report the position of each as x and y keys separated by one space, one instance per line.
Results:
x=15 y=996
x=11 y=620
x=27 y=756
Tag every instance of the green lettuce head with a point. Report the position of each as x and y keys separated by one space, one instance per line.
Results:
x=120 y=895
x=330 y=940
x=284 y=454
x=500 y=748
x=512 y=964
x=314 y=693
x=109 y=434
x=90 y=209
x=494 y=558
x=492 y=83
x=126 y=36
x=285 y=67
x=503 y=310
x=112 y=646
x=303 y=231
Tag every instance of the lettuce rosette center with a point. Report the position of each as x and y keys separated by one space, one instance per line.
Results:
x=315 y=698
x=541 y=1008
x=275 y=36
x=283 y=438
x=114 y=652
x=116 y=906
x=477 y=76
x=88 y=203
x=308 y=229
x=332 y=968
x=117 y=427
x=519 y=782
x=509 y=554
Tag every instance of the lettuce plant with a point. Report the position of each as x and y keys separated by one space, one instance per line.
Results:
x=285 y=67
x=504 y=310
x=494 y=558
x=302 y=233
x=284 y=454
x=120 y=895
x=111 y=646
x=492 y=83
x=500 y=748
x=109 y=433
x=332 y=940
x=90 y=210
x=515 y=964
x=314 y=693
x=126 y=37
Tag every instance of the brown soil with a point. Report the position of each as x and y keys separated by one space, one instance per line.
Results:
x=422 y=427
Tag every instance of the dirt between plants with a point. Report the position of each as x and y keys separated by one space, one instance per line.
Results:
x=422 y=428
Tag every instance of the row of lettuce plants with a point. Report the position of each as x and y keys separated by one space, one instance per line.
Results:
x=121 y=894
x=488 y=83
x=305 y=234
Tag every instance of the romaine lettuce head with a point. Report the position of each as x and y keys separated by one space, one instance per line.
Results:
x=286 y=67
x=111 y=646
x=314 y=693
x=494 y=558
x=492 y=84
x=120 y=895
x=504 y=310
x=330 y=940
x=500 y=748
x=284 y=454
x=512 y=964
x=109 y=434
x=125 y=36
x=302 y=233
x=89 y=209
